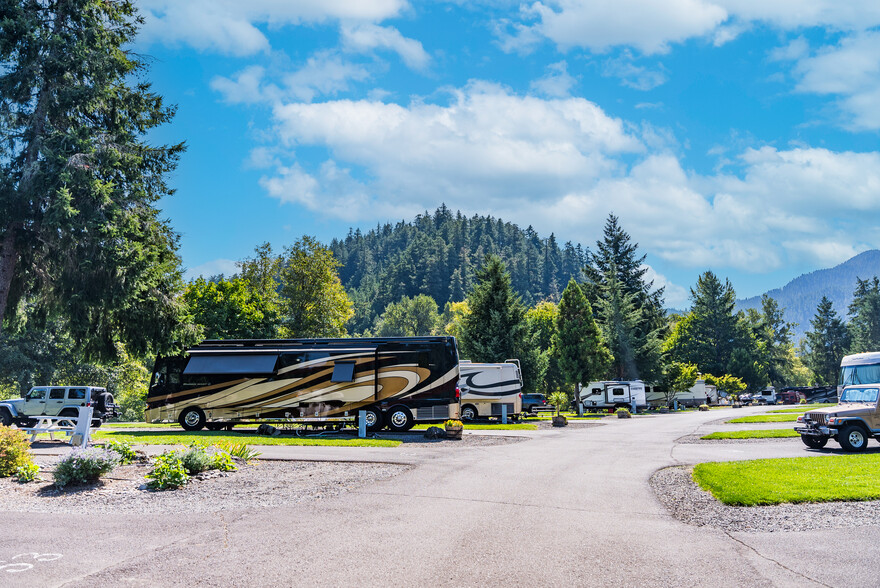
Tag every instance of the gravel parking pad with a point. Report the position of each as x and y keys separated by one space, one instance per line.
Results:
x=262 y=484
x=687 y=502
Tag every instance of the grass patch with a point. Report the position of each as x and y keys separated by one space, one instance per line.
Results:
x=141 y=425
x=767 y=418
x=802 y=408
x=163 y=438
x=765 y=434
x=487 y=427
x=798 y=479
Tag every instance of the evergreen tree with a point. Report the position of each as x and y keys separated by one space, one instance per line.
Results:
x=826 y=344
x=80 y=236
x=578 y=344
x=618 y=285
x=494 y=329
x=773 y=338
x=864 y=312
x=712 y=328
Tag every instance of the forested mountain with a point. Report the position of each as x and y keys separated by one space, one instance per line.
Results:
x=437 y=254
x=801 y=296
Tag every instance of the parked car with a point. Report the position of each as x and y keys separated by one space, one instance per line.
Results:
x=851 y=423
x=57 y=401
x=532 y=403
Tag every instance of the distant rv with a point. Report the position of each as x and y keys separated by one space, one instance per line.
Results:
x=698 y=394
x=396 y=381
x=612 y=394
x=859 y=368
x=486 y=388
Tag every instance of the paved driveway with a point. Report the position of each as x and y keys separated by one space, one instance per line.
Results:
x=567 y=508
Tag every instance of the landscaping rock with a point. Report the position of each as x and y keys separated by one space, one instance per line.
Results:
x=268 y=430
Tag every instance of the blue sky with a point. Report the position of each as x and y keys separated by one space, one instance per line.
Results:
x=734 y=135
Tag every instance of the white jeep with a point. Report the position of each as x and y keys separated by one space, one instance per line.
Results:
x=57 y=401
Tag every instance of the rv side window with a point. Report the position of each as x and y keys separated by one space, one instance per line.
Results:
x=618 y=391
x=596 y=391
x=343 y=371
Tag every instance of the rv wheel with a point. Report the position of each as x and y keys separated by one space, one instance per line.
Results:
x=400 y=419
x=468 y=413
x=373 y=419
x=192 y=419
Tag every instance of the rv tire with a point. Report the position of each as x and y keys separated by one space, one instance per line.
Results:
x=468 y=412
x=373 y=417
x=400 y=419
x=192 y=419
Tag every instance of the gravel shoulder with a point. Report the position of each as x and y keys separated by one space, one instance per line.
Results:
x=260 y=484
x=687 y=502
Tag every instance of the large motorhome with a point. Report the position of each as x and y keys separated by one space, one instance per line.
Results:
x=396 y=381
x=604 y=395
x=859 y=368
x=486 y=388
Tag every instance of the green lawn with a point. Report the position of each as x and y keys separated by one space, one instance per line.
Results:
x=767 y=418
x=163 y=438
x=765 y=434
x=141 y=425
x=488 y=427
x=802 y=408
x=799 y=479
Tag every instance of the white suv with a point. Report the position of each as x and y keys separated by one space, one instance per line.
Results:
x=57 y=401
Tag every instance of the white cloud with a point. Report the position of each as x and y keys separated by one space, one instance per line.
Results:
x=366 y=37
x=227 y=267
x=632 y=75
x=562 y=165
x=648 y=25
x=323 y=74
x=231 y=26
x=675 y=296
x=850 y=70
x=795 y=14
x=557 y=83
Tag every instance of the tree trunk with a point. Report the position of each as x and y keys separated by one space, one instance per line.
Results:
x=8 y=259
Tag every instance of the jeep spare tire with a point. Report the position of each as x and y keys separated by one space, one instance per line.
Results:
x=105 y=401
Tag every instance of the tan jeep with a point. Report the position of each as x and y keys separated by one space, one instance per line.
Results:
x=851 y=423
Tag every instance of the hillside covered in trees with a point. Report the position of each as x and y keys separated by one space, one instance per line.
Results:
x=438 y=254
x=802 y=295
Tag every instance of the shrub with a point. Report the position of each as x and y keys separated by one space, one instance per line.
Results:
x=123 y=450
x=84 y=466
x=623 y=413
x=195 y=459
x=222 y=461
x=27 y=472
x=704 y=407
x=168 y=472
x=802 y=401
x=240 y=450
x=15 y=451
x=559 y=399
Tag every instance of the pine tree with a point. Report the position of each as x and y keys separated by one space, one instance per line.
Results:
x=864 y=312
x=826 y=344
x=714 y=328
x=80 y=237
x=578 y=343
x=616 y=259
x=494 y=328
x=618 y=317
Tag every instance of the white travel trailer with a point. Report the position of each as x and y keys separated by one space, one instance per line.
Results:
x=698 y=394
x=487 y=387
x=859 y=368
x=603 y=395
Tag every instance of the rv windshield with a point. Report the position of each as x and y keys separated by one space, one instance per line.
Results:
x=859 y=374
x=860 y=395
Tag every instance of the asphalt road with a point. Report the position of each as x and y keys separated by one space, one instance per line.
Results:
x=567 y=508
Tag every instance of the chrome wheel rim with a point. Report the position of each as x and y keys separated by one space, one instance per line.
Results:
x=856 y=438
x=468 y=413
x=398 y=418
x=370 y=418
x=192 y=418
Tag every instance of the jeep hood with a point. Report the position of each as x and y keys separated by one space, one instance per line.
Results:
x=848 y=409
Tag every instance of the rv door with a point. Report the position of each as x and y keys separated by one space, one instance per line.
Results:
x=617 y=393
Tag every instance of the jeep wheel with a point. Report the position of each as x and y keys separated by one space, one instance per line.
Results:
x=192 y=419
x=68 y=412
x=814 y=441
x=853 y=438
x=5 y=417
